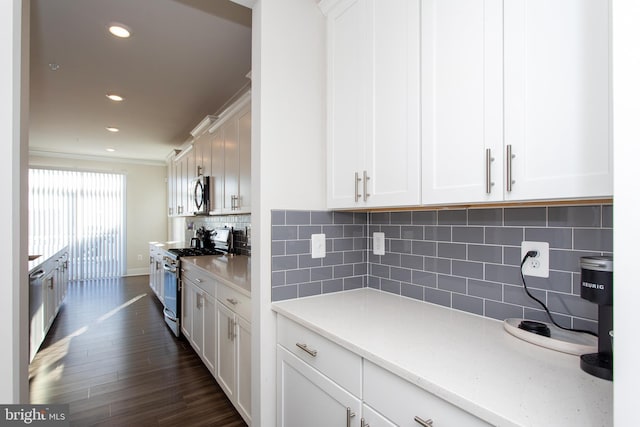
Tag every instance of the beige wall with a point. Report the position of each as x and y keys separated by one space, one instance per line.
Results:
x=146 y=205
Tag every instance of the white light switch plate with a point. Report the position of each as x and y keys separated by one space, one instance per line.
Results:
x=318 y=246
x=378 y=243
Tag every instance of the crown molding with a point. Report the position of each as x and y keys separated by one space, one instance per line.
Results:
x=104 y=159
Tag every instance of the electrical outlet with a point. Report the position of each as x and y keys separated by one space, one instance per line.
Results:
x=318 y=246
x=139 y=257
x=538 y=266
x=378 y=243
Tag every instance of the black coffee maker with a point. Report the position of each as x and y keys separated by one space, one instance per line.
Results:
x=597 y=286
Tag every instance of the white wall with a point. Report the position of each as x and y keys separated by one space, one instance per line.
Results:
x=14 y=108
x=288 y=157
x=626 y=231
x=146 y=202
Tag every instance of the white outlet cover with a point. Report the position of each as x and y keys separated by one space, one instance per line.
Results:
x=318 y=246
x=378 y=243
x=542 y=260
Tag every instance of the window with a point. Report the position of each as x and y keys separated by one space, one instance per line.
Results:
x=84 y=210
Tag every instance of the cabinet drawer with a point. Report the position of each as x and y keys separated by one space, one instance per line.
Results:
x=198 y=278
x=408 y=401
x=235 y=301
x=334 y=361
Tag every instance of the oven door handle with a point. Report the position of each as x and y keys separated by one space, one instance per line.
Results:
x=169 y=268
x=170 y=315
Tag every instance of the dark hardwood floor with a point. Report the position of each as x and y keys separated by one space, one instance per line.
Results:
x=110 y=356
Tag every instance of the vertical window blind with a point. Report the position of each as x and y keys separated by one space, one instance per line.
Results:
x=84 y=210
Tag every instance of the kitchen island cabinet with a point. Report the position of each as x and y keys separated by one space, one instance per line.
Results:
x=474 y=371
x=48 y=285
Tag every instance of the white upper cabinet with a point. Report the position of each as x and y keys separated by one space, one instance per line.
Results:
x=461 y=101
x=518 y=108
x=231 y=159
x=373 y=93
x=557 y=98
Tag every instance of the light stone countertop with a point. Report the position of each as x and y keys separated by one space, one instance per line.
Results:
x=232 y=270
x=468 y=360
x=46 y=252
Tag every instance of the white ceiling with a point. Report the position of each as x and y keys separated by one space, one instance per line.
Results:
x=184 y=60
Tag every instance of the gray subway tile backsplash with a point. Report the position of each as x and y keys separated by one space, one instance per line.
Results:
x=464 y=259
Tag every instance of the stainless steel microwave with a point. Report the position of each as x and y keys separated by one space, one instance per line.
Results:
x=202 y=195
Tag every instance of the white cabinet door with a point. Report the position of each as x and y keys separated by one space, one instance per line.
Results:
x=557 y=103
x=407 y=401
x=217 y=169
x=348 y=121
x=243 y=372
x=208 y=309
x=202 y=160
x=393 y=156
x=307 y=398
x=461 y=101
x=171 y=187
x=231 y=164
x=197 y=325
x=373 y=94
x=188 y=305
x=226 y=350
x=243 y=203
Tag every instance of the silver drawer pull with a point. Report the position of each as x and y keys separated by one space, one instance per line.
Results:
x=304 y=347
x=232 y=301
x=350 y=414
x=423 y=423
x=198 y=280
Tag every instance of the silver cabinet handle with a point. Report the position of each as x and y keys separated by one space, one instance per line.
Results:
x=307 y=350
x=234 y=202
x=198 y=280
x=488 y=159
x=423 y=423
x=365 y=180
x=350 y=414
x=198 y=303
x=363 y=423
x=232 y=301
x=230 y=328
x=357 y=186
x=510 y=157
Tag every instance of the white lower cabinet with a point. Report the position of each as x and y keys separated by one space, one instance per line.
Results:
x=215 y=322
x=233 y=344
x=410 y=405
x=198 y=314
x=226 y=349
x=308 y=398
x=320 y=383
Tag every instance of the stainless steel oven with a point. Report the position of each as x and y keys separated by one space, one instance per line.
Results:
x=173 y=283
x=171 y=292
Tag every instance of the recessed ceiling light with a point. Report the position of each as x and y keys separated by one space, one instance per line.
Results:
x=114 y=97
x=112 y=129
x=111 y=150
x=120 y=30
